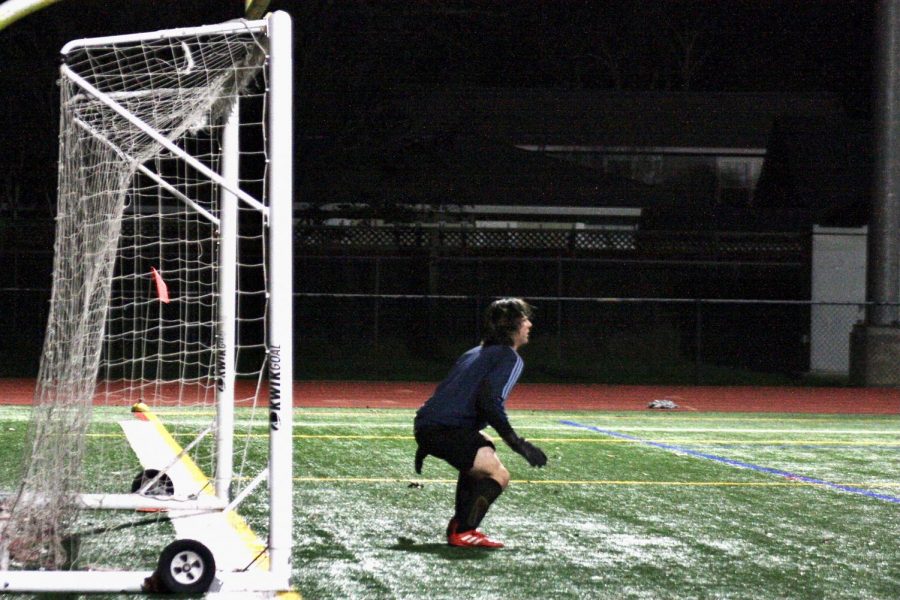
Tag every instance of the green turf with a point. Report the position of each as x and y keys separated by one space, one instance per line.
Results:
x=610 y=517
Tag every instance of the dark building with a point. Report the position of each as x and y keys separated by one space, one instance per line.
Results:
x=819 y=168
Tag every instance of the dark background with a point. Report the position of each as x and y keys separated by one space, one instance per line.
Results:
x=350 y=56
x=348 y=53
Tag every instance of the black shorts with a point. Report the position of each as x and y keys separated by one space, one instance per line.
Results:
x=458 y=446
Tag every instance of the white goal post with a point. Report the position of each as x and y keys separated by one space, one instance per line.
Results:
x=170 y=323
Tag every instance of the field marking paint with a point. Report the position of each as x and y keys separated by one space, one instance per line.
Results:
x=742 y=465
x=572 y=440
x=198 y=409
x=558 y=427
x=614 y=441
x=615 y=482
x=749 y=430
x=194 y=417
x=387 y=412
x=725 y=417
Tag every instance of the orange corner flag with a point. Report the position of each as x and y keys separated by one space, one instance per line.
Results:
x=162 y=290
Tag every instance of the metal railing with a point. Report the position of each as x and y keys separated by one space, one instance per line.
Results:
x=585 y=340
x=579 y=340
x=625 y=243
x=617 y=306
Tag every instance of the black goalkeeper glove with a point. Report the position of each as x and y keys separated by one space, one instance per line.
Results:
x=534 y=455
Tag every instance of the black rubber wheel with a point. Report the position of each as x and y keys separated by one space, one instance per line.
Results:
x=162 y=487
x=185 y=567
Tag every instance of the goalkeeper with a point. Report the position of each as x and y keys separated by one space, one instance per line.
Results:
x=472 y=396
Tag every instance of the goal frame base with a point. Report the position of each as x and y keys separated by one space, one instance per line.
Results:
x=127 y=582
x=160 y=503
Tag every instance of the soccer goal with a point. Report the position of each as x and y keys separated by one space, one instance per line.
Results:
x=159 y=453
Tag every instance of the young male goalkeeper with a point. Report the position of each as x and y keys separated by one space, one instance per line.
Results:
x=472 y=396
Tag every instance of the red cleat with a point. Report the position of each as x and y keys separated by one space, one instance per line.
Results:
x=469 y=539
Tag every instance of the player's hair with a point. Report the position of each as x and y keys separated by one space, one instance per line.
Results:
x=502 y=318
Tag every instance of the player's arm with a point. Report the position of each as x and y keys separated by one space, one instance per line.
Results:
x=490 y=405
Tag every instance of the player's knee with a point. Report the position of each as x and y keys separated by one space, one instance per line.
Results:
x=487 y=464
x=499 y=473
x=501 y=476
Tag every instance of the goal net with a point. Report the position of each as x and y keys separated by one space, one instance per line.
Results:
x=170 y=314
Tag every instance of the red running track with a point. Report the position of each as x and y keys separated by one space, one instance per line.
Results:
x=365 y=394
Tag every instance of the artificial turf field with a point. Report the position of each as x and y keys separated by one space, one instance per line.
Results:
x=631 y=505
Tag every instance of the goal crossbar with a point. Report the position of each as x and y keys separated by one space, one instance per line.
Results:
x=178 y=32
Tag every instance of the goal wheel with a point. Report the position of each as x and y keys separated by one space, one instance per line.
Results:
x=185 y=567
x=162 y=487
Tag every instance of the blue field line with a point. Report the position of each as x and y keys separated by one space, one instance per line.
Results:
x=739 y=464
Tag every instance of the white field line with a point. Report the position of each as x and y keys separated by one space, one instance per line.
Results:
x=597 y=482
x=197 y=418
x=521 y=424
x=19 y=413
x=402 y=417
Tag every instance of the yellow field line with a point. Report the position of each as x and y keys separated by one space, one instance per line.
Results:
x=338 y=436
x=616 y=482
x=592 y=440
x=621 y=415
x=595 y=440
x=727 y=441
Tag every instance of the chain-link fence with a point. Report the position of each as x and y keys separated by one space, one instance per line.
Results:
x=582 y=340
x=613 y=307
x=596 y=340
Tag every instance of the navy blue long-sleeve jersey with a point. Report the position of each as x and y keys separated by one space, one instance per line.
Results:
x=474 y=393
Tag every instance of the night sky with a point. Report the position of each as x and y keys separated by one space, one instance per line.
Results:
x=353 y=50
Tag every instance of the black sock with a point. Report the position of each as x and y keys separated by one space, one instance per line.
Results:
x=483 y=494
x=464 y=485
